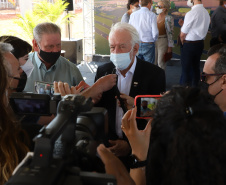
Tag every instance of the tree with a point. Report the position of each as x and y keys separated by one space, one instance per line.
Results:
x=42 y=12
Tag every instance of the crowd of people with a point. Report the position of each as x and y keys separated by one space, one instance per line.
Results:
x=184 y=141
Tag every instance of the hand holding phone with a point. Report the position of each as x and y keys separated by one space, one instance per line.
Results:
x=146 y=105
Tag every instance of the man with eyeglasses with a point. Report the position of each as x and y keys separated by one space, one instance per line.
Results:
x=13 y=66
x=213 y=77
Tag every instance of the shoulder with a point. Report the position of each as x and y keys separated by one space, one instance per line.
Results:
x=106 y=67
x=67 y=64
x=147 y=66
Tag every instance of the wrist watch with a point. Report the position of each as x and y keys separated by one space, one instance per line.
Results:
x=135 y=163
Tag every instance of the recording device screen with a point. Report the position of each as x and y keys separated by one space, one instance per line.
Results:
x=31 y=106
x=146 y=105
x=44 y=88
x=27 y=104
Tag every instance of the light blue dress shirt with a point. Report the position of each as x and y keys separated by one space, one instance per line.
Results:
x=63 y=70
x=145 y=23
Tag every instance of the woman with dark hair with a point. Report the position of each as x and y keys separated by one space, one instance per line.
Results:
x=132 y=6
x=185 y=144
x=12 y=147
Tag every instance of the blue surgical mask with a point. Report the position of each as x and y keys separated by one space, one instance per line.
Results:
x=121 y=60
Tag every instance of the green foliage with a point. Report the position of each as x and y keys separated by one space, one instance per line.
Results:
x=172 y=5
x=42 y=12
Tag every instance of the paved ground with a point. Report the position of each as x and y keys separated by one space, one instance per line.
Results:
x=173 y=72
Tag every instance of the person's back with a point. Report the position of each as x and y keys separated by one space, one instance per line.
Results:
x=188 y=141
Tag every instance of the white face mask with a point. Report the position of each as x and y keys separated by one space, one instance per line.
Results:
x=189 y=3
x=158 y=10
x=121 y=60
x=225 y=5
x=28 y=67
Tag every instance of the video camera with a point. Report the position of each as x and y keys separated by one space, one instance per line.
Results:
x=65 y=149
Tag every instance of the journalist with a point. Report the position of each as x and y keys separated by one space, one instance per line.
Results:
x=12 y=138
x=183 y=144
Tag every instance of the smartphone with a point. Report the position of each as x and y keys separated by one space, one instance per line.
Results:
x=146 y=105
x=44 y=88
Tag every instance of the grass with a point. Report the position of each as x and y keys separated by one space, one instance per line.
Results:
x=104 y=20
x=102 y=46
x=102 y=28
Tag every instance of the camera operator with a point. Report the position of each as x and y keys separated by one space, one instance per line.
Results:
x=183 y=144
x=12 y=138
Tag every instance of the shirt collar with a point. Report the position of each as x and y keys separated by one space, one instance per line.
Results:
x=196 y=6
x=144 y=8
x=131 y=70
x=39 y=62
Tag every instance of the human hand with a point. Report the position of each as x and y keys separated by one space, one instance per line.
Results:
x=105 y=83
x=129 y=101
x=138 y=139
x=169 y=50
x=64 y=89
x=119 y=147
x=181 y=22
x=114 y=166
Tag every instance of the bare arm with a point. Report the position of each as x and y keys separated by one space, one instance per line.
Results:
x=136 y=139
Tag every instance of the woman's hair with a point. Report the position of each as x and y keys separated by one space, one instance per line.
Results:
x=12 y=149
x=188 y=140
x=20 y=47
x=131 y=2
x=166 y=4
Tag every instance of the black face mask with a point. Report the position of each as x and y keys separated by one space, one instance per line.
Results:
x=49 y=57
x=144 y=107
x=205 y=86
x=22 y=82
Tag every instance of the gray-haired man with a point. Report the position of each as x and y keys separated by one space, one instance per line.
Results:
x=49 y=66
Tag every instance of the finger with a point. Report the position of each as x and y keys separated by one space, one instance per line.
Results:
x=56 y=89
x=61 y=88
x=133 y=123
x=125 y=120
x=148 y=126
x=67 y=88
x=104 y=153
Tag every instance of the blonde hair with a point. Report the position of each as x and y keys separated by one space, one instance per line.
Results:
x=166 y=4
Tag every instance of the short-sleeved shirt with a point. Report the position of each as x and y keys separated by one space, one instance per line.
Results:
x=196 y=23
x=63 y=70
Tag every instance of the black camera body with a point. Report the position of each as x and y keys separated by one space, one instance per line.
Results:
x=34 y=104
x=65 y=149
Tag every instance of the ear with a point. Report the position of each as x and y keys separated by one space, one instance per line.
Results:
x=35 y=45
x=136 y=48
x=223 y=85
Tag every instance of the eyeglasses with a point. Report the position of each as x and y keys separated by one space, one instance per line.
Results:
x=158 y=6
x=204 y=76
x=14 y=77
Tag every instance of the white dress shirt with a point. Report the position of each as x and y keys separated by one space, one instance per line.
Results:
x=145 y=22
x=124 y=85
x=196 y=23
